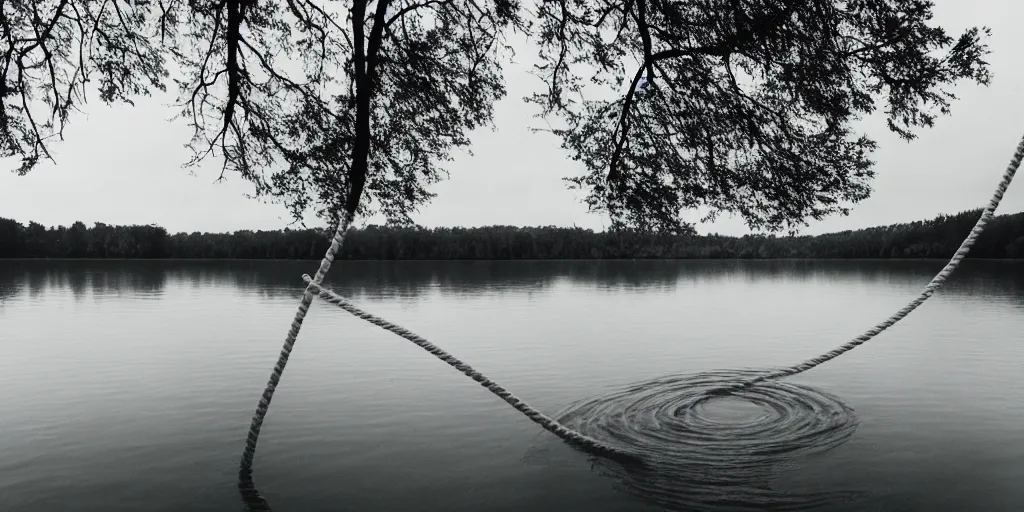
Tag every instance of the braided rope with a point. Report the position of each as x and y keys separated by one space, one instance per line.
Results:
x=570 y=436
x=929 y=290
x=249 y=494
x=255 y=502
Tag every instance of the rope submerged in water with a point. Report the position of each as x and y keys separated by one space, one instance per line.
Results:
x=573 y=437
x=245 y=483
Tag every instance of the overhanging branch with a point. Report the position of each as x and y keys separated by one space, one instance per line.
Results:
x=622 y=127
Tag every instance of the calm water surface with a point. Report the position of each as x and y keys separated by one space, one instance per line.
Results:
x=129 y=386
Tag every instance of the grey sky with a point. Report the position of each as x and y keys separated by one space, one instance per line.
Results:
x=122 y=165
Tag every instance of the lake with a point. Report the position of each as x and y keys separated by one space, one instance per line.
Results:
x=129 y=385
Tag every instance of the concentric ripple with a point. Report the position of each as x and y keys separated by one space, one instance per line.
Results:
x=706 y=452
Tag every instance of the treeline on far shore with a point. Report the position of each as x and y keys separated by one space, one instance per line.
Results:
x=936 y=238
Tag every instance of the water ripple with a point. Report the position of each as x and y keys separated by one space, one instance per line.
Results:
x=717 y=453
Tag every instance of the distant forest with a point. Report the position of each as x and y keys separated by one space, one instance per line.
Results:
x=937 y=238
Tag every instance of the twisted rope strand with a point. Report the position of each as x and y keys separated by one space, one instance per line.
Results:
x=570 y=436
x=929 y=290
x=255 y=502
x=245 y=470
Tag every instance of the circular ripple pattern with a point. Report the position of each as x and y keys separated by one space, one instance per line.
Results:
x=703 y=451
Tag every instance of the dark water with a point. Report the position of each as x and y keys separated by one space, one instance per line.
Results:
x=129 y=386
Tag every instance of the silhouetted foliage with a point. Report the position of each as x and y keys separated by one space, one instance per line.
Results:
x=937 y=238
x=312 y=101
x=747 y=104
x=748 y=107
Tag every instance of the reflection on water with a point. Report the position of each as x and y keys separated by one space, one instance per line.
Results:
x=413 y=278
x=132 y=385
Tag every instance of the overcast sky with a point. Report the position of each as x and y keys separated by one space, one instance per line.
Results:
x=122 y=165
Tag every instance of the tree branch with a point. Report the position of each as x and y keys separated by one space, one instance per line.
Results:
x=236 y=13
x=621 y=131
x=412 y=7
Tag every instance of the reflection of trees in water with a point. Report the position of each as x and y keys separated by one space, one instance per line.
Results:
x=893 y=272
x=980 y=278
x=9 y=287
x=373 y=279
x=411 y=279
x=98 y=277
